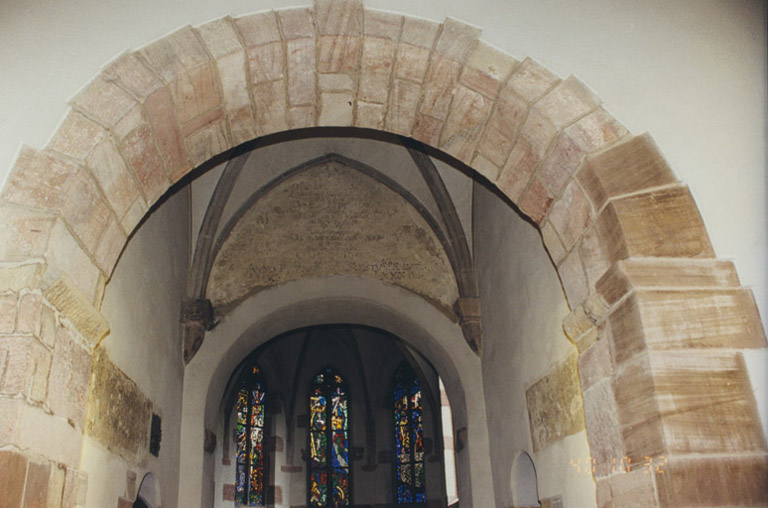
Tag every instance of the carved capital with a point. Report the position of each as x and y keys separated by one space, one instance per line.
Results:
x=198 y=310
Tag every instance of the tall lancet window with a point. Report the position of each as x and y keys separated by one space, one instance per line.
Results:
x=328 y=440
x=250 y=487
x=409 y=437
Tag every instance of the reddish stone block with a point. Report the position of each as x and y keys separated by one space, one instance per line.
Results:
x=69 y=379
x=633 y=489
x=162 y=117
x=629 y=167
x=571 y=214
x=562 y=161
x=339 y=54
x=517 y=173
x=378 y=61
x=465 y=123
x=339 y=17
x=411 y=62
x=77 y=136
x=85 y=210
x=439 y=86
x=536 y=202
x=301 y=71
x=403 y=101
x=228 y=492
x=427 y=130
x=691 y=481
x=266 y=62
x=503 y=127
x=13 y=470
x=38 y=180
x=539 y=131
x=220 y=37
x=38 y=478
x=140 y=152
x=296 y=23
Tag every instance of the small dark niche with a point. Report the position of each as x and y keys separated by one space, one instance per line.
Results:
x=155 y=435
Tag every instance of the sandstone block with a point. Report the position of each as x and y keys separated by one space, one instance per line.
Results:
x=196 y=92
x=336 y=109
x=65 y=256
x=660 y=394
x=242 y=125
x=336 y=83
x=38 y=180
x=85 y=210
x=8 y=310
x=531 y=81
x=554 y=405
x=439 y=86
x=270 y=104
x=110 y=171
x=296 y=23
x=518 y=171
x=29 y=230
x=258 y=29
x=13 y=471
x=16 y=277
x=77 y=136
x=27 y=363
x=602 y=422
x=30 y=313
x=266 y=62
x=301 y=117
x=339 y=54
x=486 y=69
x=411 y=62
x=134 y=214
x=713 y=481
x=456 y=40
x=465 y=123
x=536 y=201
x=596 y=261
x=631 y=166
x=382 y=25
x=110 y=246
x=339 y=17
x=74 y=306
x=571 y=214
x=485 y=167
x=419 y=32
x=370 y=116
x=563 y=160
x=206 y=142
x=539 y=131
x=596 y=364
x=553 y=243
x=503 y=127
x=132 y=120
x=633 y=489
x=104 y=101
x=68 y=383
x=403 y=101
x=574 y=279
x=377 y=62
x=301 y=71
x=596 y=131
x=567 y=101
x=427 y=129
x=220 y=37
x=140 y=152
x=133 y=74
x=38 y=478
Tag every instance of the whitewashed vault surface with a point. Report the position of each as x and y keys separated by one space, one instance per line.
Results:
x=330 y=220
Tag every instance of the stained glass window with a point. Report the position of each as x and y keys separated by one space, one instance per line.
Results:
x=328 y=441
x=409 y=437
x=250 y=487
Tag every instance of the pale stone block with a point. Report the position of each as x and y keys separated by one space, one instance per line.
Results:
x=258 y=29
x=465 y=123
x=176 y=54
x=162 y=117
x=419 y=32
x=553 y=243
x=113 y=176
x=301 y=71
x=403 y=101
x=632 y=489
x=139 y=150
x=370 y=116
x=411 y=62
x=456 y=40
x=339 y=17
x=377 y=62
x=596 y=131
x=133 y=74
x=77 y=308
x=270 y=104
x=596 y=366
x=301 y=117
x=242 y=125
x=336 y=83
x=85 y=210
x=77 y=136
x=38 y=180
x=8 y=312
x=207 y=142
x=13 y=468
x=486 y=69
x=503 y=127
x=531 y=81
x=567 y=101
x=16 y=276
x=220 y=37
x=518 y=171
x=594 y=255
x=70 y=376
x=571 y=214
x=536 y=201
x=266 y=62
x=439 y=86
x=233 y=83
x=296 y=23
x=485 y=167
x=104 y=101
x=554 y=405
x=110 y=246
x=336 y=109
x=574 y=279
x=29 y=231
x=382 y=25
x=134 y=214
x=539 y=131
x=65 y=256
x=339 y=54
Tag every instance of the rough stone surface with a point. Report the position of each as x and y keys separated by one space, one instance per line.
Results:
x=73 y=305
x=68 y=383
x=110 y=171
x=30 y=231
x=464 y=125
x=77 y=136
x=13 y=471
x=571 y=214
x=118 y=412
x=531 y=81
x=38 y=180
x=554 y=405
x=104 y=101
x=337 y=238
x=602 y=423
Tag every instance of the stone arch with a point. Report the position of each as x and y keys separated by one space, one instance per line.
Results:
x=625 y=236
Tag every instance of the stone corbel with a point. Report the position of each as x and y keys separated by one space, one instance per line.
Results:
x=468 y=310
x=196 y=318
